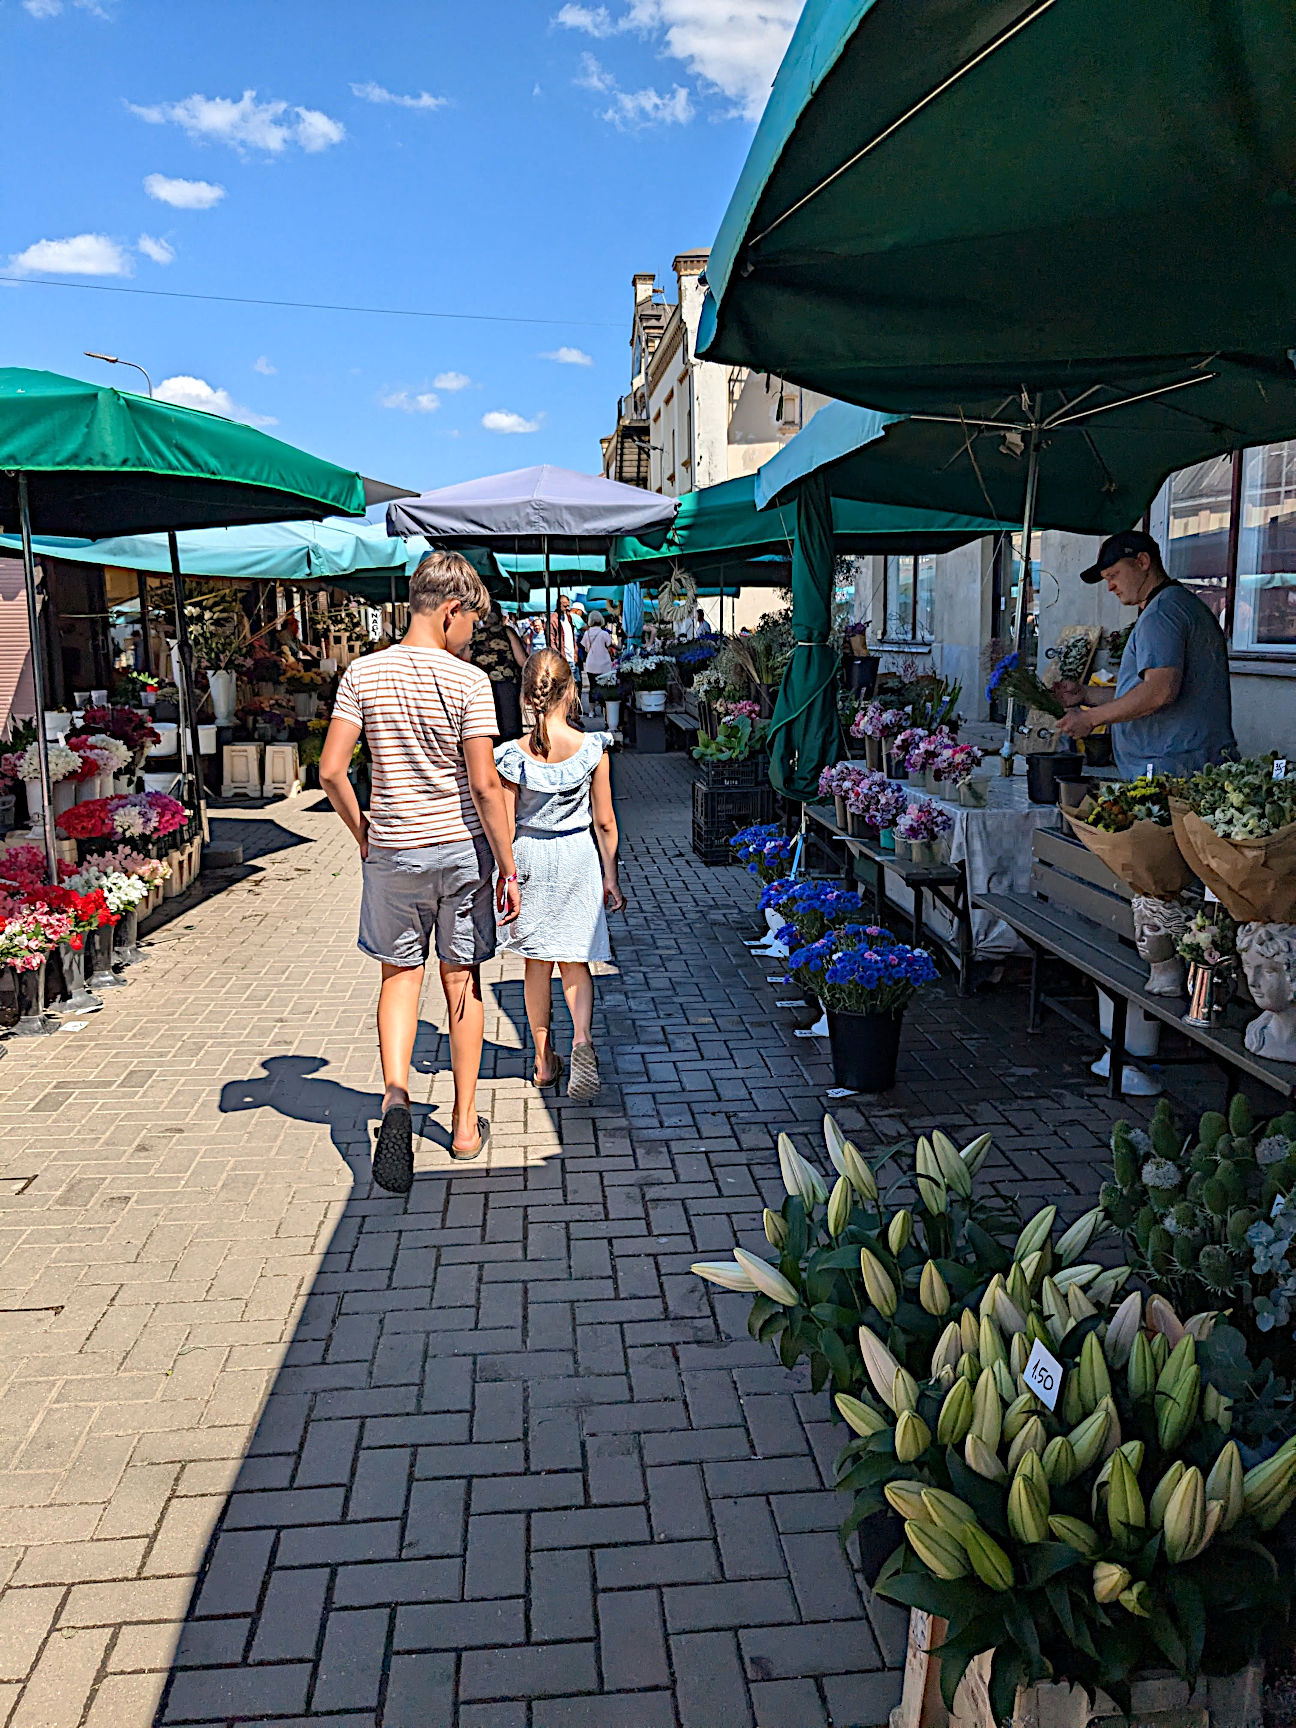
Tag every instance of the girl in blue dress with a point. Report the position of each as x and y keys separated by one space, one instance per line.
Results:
x=559 y=783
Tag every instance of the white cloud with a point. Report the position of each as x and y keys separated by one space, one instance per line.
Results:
x=502 y=420
x=410 y=402
x=263 y=366
x=371 y=92
x=731 y=46
x=246 y=124
x=52 y=8
x=452 y=380
x=569 y=357
x=187 y=392
x=160 y=251
x=593 y=20
x=80 y=255
x=183 y=194
x=629 y=110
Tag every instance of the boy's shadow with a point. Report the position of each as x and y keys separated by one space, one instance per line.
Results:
x=290 y=1085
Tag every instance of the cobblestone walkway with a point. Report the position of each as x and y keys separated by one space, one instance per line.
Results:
x=279 y=1447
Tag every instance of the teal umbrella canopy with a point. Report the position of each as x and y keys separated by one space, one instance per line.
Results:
x=719 y=527
x=950 y=198
x=101 y=462
x=266 y=552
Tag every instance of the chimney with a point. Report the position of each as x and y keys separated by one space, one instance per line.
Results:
x=643 y=282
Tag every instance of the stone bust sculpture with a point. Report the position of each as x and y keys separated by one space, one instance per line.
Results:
x=1157 y=923
x=1268 y=955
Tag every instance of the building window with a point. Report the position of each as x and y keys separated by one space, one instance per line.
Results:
x=1200 y=517
x=910 y=597
x=1228 y=530
x=1265 y=602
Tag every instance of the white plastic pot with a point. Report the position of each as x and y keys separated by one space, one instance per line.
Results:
x=224 y=692
x=169 y=736
x=612 y=707
x=207 y=740
x=650 y=701
x=168 y=783
x=1142 y=1032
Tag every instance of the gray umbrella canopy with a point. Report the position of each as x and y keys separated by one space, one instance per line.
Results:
x=531 y=509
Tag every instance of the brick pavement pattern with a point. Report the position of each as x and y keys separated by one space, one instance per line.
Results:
x=279 y=1447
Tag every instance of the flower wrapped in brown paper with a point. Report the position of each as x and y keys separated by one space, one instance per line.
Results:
x=1145 y=856
x=1254 y=880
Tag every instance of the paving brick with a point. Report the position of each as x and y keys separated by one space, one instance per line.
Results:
x=214 y=1694
x=790 y=1652
x=364 y=1586
x=289 y=1622
x=58 y=1690
x=707 y=1607
x=710 y=1689
x=337 y=1545
x=863 y=1698
x=461 y=1625
x=351 y=1663
x=562 y=1600
x=592 y=1527
x=662 y=1563
x=238 y=1564
x=678 y=1503
x=495 y=1563
x=823 y=1581
x=793 y=1704
x=630 y=1710
x=435 y=1522
x=632 y=1645
x=532 y=1671
x=749 y=1544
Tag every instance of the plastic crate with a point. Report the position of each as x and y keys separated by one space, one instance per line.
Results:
x=753 y=771
x=720 y=811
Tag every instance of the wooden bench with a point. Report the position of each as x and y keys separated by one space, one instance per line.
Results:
x=869 y=866
x=1079 y=913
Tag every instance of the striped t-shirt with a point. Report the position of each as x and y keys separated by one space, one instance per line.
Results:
x=416 y=706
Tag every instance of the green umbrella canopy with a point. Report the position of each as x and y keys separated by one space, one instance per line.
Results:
x=100 y=461
x=721 y=526
x=949 y=198
x=377 y=586
x=805 y=728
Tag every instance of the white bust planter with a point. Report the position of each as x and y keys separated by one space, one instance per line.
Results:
x=1157 y=923
x=1268 y=956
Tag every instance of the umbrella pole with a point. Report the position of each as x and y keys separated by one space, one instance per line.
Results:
x=548 y=603
x=141 y=583
x=38 y=680
x=185 y=656
x=1028 y=534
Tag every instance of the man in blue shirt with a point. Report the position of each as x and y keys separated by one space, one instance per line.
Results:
x=1171 y=710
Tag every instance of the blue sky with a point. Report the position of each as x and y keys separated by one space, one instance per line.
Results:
x=510 y=158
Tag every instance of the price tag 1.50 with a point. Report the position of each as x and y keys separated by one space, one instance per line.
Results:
x=1043 y=1376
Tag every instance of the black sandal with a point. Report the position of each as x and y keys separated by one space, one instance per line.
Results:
x=393 y=1163
x=483 y=1140
x=555 y=1079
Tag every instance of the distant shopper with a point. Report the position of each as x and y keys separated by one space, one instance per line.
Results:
x=559 y=783
x=562 y=631
x=496 y=648
x=1171 y=709
x=597 y=643
x=437 y=816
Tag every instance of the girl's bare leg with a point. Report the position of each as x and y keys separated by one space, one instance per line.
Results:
x=538 y=994
x=578 y=988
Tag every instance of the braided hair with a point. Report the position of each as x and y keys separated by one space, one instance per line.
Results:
x=547 y=688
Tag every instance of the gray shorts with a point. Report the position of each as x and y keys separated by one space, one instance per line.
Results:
x=410 y=894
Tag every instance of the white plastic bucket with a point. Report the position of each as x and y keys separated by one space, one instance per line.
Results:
x=207 y=740
x=168 y=783
x=1142 y=1032
x=169 y=739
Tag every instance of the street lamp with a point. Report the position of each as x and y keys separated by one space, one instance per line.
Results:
x=112 y=360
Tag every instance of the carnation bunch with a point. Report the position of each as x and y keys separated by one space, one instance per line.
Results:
x=121 y=893
x=23 y=943
x=878 y=721
x=64 y=763
x=924 y=822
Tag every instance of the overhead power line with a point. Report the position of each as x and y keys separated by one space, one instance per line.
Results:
x=313 y=305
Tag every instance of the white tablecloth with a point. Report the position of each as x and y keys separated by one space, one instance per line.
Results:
x=994 y=847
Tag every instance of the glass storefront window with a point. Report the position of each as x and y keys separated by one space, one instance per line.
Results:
x=1265 y=602
x=910 y=598
x=1200 y=509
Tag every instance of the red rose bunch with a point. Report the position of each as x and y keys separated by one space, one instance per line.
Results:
x=89 y=821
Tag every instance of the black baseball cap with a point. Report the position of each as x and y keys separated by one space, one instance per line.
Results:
x=1117 y=546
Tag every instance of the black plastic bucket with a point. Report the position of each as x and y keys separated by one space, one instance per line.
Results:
x=1044 y=768
x=865 y=1048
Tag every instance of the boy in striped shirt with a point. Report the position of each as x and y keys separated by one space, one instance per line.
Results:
x=436 y=831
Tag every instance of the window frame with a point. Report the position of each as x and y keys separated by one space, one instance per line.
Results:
x=909 y=639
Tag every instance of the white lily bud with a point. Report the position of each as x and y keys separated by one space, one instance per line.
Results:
x=767 y=1279
x=728 y=1274
x=800 y=1177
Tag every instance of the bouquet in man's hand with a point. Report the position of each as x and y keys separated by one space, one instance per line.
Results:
x=1010 y=678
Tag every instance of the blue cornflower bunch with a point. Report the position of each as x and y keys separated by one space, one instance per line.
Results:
x=775 y=893
x=1006 y=665
x=762 y=847
x=820 y=906
x=861 y=969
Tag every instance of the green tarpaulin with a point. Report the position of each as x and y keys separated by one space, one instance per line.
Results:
x=101 y=461
x=805 y=731
x=949 y=197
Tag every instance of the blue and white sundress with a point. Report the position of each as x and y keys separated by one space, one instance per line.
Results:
x=560 y=873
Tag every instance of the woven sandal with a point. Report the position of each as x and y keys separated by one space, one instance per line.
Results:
x=585 y=1079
